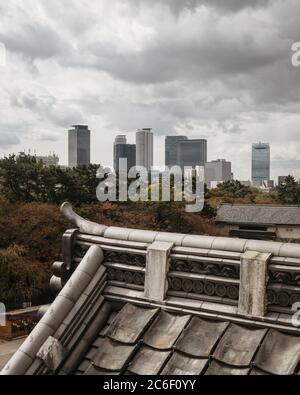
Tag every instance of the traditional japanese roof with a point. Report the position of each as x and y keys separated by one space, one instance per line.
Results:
x=247 y=214
x=106 y=320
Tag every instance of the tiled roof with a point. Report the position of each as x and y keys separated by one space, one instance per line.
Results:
x=258 y=214
x=172 y=344
x=103 y=322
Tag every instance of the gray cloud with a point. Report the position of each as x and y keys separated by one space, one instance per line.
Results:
x=178 y=6
x=8 y=139
x=205 y=68
x=34 y=41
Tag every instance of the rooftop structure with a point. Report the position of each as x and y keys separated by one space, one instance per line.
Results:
x=262 y=221
x=153 y=303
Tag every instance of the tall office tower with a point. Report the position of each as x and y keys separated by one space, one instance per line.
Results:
x=119 y=140
x=79 y=146
x=122 y=150
x=171 y=150
x=192 y=153
x=144 y=148
x=261 y=162
x=217 y=171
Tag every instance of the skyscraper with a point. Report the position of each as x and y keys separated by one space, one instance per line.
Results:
x=171 y=150
x=261 y=162
x=79 y=146
x=144 y=148
x=192 y=153
x=122 y=150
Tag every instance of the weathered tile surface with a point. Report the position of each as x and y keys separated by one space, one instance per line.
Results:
x=220 y=369
x=148 y=361
x=180 y=364
x=279 y=353
x=166 y=329
x=239 y=345
x=129 y=325
x=200 y=337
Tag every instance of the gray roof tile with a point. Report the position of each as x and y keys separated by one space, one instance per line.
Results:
x=200 y=337
x=166 y=329
x=112 y=355
x=258 y=372
x=94 y=371
x=259 y=214
x=148 y=361
x=279 y=353
x=180 y=364
x=130 y=324
x=220 y=369
x=239 y=345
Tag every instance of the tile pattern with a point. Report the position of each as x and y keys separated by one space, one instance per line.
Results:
x=141 y=341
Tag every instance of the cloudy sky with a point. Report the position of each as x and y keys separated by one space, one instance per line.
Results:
x=211 y=69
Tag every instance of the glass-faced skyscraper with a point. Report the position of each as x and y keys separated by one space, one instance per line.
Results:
x=261 y=159
x=171 y=150
x=122 y=150
x=192 y=153
x=79 y=146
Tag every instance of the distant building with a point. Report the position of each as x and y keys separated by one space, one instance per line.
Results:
x=49 y=160
x=265 y=222
x=217 y=172
x=246 y=183
x=281 y=179
x=122 y=150
x=79 y=146
x=192 y=153
x=264 y=185
x=144 y=148
x=171 y=150
x=261 y=162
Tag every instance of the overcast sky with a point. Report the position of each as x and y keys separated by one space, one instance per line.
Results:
x=211 y=69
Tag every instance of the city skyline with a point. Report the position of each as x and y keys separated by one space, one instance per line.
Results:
x=198 y=73
x=123 y=149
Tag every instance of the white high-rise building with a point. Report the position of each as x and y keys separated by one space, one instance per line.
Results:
x=144 y=148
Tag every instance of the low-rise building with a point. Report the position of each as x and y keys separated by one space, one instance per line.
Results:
x=260 y=221
x=19 y=323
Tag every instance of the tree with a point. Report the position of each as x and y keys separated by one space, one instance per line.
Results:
x=24 y=179
x=21 y=280
x=234 y=189
x=208 y=211
x=289 y=191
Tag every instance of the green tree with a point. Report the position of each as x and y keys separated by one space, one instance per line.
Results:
x=289 y=191
x=234 y=189
x=23 y=179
